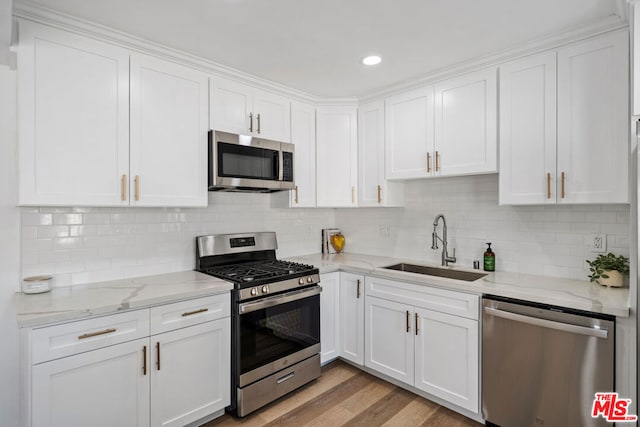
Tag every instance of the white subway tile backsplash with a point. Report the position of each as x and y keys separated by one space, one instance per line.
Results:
x=47 y=232
x=550 y=240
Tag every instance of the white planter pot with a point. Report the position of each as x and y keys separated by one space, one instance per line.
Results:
x=615 y=279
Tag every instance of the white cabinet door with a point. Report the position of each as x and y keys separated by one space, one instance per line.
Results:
x=303 y=136
x=370 y=153
x=593 y=130
x=446 y=357
x=272 y=116
x=352 y=317
x=231 y=105
x=190 y=375
x=528 y=130
x=101 y=388
x=169 y=125
x=337 y=156
x=329 y=317
x=73 y=119
x=389 y=338
x=373 y=188
x=409 y=134
x=466 y=124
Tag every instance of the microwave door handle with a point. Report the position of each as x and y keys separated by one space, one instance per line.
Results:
x=280 y=166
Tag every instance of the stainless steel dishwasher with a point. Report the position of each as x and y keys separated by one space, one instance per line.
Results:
x=542 y=365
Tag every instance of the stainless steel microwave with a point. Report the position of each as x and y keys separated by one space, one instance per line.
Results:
x=245 y=163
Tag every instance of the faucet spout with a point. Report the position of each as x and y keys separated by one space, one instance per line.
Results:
x=446 y=259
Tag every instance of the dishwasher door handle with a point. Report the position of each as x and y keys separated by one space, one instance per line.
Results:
x=536 y=321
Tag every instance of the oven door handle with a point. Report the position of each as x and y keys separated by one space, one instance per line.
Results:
x=248 y=307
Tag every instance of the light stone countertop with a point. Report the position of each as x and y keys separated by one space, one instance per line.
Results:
x=82 y=301
x=576 y=294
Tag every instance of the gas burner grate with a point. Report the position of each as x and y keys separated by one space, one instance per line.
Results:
x=259 y=271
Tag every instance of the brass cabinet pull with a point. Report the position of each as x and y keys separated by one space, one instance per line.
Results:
x=158 y=355
x=258 y=118
x=563 y=185
x=296 y=194
x=191 y=313
x=353 y=194
x=358 y=288
x=137 y=188
x=379 y=194
x=548 y=185
x=250 y=122
x=428 y=162
x=417 y=319
x=124 y=187
x=408 y=327
x=144 y=360
x=95 y=334
x=437 y=161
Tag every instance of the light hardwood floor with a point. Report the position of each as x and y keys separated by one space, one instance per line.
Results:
x=347 y=396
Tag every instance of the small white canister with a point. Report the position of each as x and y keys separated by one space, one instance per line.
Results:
x=36 y=284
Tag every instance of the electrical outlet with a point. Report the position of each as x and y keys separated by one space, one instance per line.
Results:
x=384 y=231
x=598 y=243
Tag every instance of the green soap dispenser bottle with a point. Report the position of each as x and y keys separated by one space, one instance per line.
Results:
x=489 y=259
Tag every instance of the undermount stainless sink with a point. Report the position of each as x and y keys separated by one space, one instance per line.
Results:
x=467 y=276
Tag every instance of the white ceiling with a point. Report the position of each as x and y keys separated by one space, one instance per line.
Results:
x=316 y=45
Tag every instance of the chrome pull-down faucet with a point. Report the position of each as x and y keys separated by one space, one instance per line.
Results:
x=446 y=259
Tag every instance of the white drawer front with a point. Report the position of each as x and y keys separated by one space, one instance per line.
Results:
x=442 y=300
x=67 y=339
x=181 y=314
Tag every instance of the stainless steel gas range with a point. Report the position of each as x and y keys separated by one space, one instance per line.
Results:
x=275 y=322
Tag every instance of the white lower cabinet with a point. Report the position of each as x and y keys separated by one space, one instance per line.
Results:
x=101 y=388
x=170 y=379
x=352 y=317
x=329 y=317
x=389 y=341
x=430 y=348
x=188 y=365
x=446 y=352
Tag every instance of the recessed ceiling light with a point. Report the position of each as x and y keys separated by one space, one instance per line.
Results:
x=372 y=60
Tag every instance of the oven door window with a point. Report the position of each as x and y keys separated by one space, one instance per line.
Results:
x=271 y=333
x=241 y=161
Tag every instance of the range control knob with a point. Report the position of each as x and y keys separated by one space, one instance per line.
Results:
x=301 y=281
x=309 y=279
x=265 y=290
x=254 y=292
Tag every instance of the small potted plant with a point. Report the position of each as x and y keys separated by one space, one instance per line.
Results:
x=608 y=270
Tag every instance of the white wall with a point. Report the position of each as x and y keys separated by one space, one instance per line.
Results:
x=6 y=7
x=545 y=240
x=82 y=245
x=9 y=252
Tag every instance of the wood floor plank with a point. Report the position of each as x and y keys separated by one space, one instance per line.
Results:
x=367 y=396
x=383 y=409
x=446 y=417
x=414 y=414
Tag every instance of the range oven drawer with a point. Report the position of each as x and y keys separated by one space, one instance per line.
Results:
x=277 y=385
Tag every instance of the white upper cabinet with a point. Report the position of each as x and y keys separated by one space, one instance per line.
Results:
x=169 y=125
x=337 y=156
x=593 y=132
x=409 y=134
x=466 y=124
x=73 y=119
x=241 y=109
x=528 y=130
x=303 y=136
x=373 y=188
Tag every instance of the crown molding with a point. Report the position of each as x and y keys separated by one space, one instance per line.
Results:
x=608 y=24
x=24 y=9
